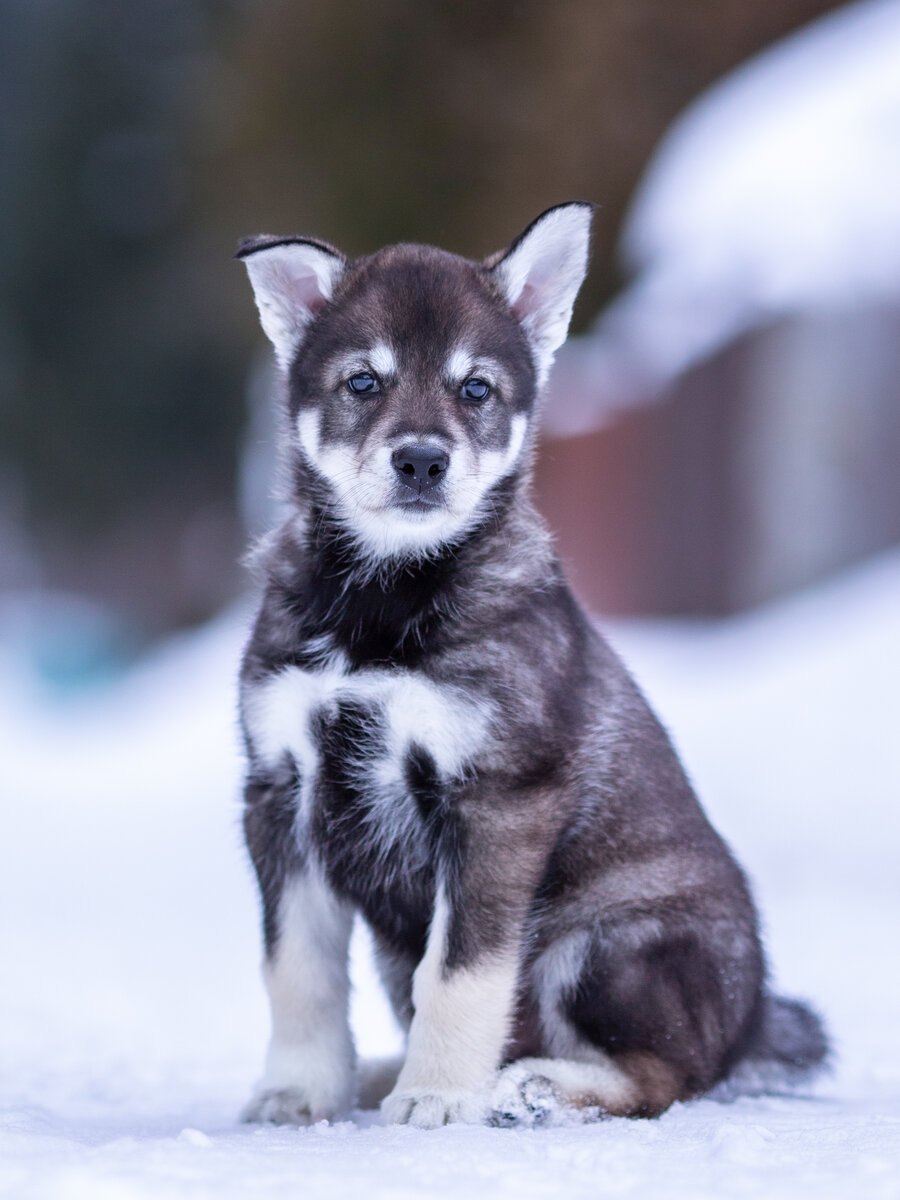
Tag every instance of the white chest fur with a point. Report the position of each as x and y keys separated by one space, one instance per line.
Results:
x=409 y=709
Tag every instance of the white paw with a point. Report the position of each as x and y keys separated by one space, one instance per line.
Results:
x=288 y=1103
x=301 y=1085
x=429 y=1108
x=524 y=1097
x=283 y=1106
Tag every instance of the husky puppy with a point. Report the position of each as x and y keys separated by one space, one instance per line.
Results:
x=440 y=740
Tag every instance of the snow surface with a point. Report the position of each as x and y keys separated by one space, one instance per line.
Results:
x=777 y=191
x=132 y=1020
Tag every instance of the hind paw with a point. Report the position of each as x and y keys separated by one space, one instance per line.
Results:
x=523 y=1097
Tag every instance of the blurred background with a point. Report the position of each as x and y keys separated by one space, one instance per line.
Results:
x=726 y=427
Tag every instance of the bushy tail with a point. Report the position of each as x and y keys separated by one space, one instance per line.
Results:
x=788 y=1048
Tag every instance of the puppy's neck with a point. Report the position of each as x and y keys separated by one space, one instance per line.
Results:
x=396 y=611
x=386 y=611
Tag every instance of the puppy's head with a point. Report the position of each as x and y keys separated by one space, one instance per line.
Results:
x=412 y=373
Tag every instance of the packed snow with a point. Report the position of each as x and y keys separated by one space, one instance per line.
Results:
x=133 y=1022
x=777 y=191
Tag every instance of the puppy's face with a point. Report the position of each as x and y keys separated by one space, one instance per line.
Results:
x=410 y=398
x=412 y=373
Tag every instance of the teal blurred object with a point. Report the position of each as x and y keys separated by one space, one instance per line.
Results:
x=65 y=644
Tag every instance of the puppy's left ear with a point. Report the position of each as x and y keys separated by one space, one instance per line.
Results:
x=292 y=279
x=540 y=275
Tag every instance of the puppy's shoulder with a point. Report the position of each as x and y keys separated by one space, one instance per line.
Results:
x=281 y=569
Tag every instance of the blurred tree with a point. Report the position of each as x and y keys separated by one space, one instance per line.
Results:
x=118 y=404
x=140 y=140
x=457 y=121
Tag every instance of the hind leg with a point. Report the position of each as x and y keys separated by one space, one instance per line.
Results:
x=531 y=1091
x=637 y=1015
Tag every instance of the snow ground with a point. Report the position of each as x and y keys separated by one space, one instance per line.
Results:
x=132 y=1020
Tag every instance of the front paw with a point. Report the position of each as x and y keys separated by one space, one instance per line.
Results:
x=284 y=1106
x=303 y=1084
x=429 y=1108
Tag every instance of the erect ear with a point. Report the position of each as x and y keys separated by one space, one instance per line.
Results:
x=292 y=279
x=540 y=275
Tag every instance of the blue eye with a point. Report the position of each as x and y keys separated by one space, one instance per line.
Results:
x=475 y=390
x=363 y=384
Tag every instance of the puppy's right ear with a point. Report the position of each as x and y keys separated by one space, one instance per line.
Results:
x=292 y=279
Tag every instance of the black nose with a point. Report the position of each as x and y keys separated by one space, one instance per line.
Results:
x=419 y=465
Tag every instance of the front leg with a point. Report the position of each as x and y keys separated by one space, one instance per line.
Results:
x=464 y=989
x=309 y=1068
x=456 y=1039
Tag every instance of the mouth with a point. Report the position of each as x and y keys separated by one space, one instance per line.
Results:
x=423 y=503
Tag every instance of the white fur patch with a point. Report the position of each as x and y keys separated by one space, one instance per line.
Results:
x=383 y=360
x=447 y=723
x=457 y=1035
x=364 y=480
x=308 y=425
x=363 y=483
x=497 y=464
x=463 y=363
x=379 y=359
x=309 y=1071
x=409 y=710
x=391 y=532
x=459 y=364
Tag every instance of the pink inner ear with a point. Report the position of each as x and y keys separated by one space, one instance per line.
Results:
x=307 y=291
x=526 y=302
